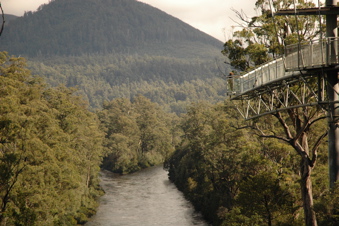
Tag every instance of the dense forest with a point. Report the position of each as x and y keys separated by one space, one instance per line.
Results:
x=234 y=177
x=132 y=66
x=170 y=82
x=112 y=49
x=148 y=89
x=52 y=147
x=271 y=170
x=139 y=134
x=50 y=151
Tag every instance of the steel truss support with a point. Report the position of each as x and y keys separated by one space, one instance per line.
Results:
x=308 y=90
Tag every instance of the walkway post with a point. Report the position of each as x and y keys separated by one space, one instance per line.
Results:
x=333 y=112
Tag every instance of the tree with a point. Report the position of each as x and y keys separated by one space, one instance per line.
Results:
x=50 y=151
x=262 y=38
x=222 y=170
x=3 y=19
x=264 y=196
x=138 y=134
x=118 y=120
x=155 y=131
x=13 y=134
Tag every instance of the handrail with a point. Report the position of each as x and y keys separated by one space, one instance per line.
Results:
x=258 y=77
x=303 y=56
x=312 y=54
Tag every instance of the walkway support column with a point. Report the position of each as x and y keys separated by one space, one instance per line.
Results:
x=333 y=113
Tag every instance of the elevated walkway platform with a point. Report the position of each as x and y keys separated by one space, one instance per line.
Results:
x=284 y=83
x=300 y=59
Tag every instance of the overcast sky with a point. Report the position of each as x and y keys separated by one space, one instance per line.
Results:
x=211 y=16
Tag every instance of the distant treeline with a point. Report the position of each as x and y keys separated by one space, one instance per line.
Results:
x=170 y=82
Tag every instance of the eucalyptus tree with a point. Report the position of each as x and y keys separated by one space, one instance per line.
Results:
x=138 y=134
x=220 y=167
x=261 y=39
x=118 y=120
x=50 y=151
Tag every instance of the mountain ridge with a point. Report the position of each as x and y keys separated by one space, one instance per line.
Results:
x=101 y=46
x=96 y=26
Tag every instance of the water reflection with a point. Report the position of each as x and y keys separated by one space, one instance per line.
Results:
x=145 y=198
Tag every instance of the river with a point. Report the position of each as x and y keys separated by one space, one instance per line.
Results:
x=145 y=198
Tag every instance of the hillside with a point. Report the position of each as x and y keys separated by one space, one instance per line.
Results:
x=99 y=45
x=9 y=18
x=75 y=27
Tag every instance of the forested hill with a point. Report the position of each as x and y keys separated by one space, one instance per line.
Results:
x=9 y=18
x=118 y=48
x=76 y=27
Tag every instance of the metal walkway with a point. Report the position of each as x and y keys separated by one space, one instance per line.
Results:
x=301 y=64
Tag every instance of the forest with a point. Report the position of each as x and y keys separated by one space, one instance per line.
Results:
x=235 y=177
x=52 y=148
x=50 y=151
x=271 y=170
x=139 y=134
x=108 y=98
x=168 y=81
x=118 y=51
x=95 y=87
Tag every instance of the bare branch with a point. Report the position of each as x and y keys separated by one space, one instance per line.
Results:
x=315 y=149
x=242 y=16
x=262 y=134
x=316 y=120
x=284 y=124
x=3 y=20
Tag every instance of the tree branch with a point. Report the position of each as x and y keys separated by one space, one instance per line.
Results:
x=315 y=149
x=3 y=20
x=284 y=124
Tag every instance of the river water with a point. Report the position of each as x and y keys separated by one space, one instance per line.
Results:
x=145 y=198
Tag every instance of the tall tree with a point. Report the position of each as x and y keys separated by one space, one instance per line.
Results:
x=118 y=120
x=138 y=134
x=262 y=38
x=50 y=151
x=218 y=167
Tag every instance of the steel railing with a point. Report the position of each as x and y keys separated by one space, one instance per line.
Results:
x=312 y=54
x=303 y=56
x=260 y=76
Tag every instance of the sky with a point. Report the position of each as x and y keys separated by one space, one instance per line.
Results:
x=214 y=17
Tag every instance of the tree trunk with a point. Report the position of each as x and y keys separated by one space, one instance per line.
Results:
x=306 y=192
x=88 y=176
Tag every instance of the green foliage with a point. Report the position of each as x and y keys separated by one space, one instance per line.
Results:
x=229 y=175
x=138 y=134
x=118 y=49
x=50 y=150
x=263 y=37
x=327 y=207
x=168 y=81
x=264 y=197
